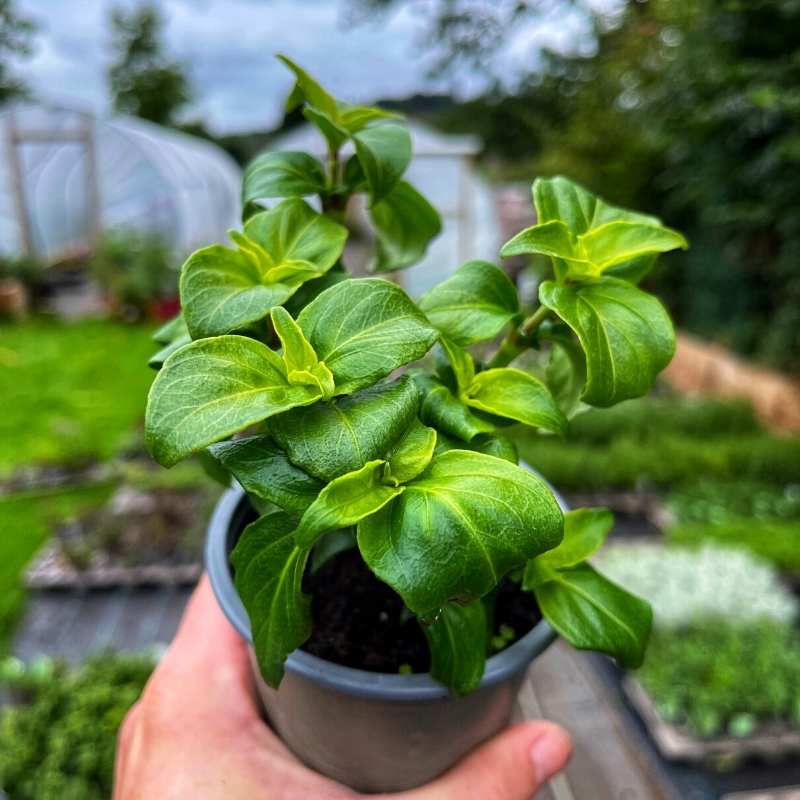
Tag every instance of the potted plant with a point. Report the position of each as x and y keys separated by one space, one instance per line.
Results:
x=388 y=540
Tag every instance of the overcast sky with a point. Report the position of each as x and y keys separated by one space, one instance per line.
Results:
x=227 y=46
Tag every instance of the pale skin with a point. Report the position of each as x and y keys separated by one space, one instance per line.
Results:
x=197 y=733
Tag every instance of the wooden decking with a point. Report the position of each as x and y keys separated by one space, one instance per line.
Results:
x=562 y=685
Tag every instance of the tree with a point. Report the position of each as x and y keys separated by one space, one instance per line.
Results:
x=15 y=40
x=144 y=81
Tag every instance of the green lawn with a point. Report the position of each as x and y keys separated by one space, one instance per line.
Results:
x=25 y=523
x=71 y=391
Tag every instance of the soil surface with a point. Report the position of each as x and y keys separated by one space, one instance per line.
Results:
x=360 y=622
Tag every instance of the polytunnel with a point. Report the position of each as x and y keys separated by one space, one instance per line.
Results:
x=442 y=168
x=65 y=176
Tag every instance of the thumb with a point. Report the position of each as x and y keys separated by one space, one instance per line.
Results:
x=511 y=766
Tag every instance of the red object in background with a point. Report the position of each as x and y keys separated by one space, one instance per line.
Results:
x=165 y=309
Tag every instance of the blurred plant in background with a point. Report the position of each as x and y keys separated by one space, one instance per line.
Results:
x=687 y=586
x=60 y=744
x=725 y=678
x=138 y=272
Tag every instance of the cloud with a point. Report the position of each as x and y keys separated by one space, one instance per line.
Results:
x=228 y=46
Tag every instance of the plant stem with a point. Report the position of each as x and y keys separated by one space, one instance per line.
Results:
x=515 y=343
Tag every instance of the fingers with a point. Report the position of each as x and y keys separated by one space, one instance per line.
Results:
x=511 y=766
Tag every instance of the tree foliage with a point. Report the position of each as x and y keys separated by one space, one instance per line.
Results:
x=15 y=41
x=144 y=81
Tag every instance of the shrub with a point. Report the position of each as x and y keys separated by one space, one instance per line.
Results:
x=687 y=586
x=720 y=678
x=135 y=268
x=663 y=459
x=715 y=502
x=60 y=745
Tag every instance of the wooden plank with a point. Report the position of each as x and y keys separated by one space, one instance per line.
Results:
x=45 y=626
x=607 y=762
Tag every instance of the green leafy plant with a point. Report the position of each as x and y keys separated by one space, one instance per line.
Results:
x=136 y=269
x=60 y=742
x=719 y=678
x=311 y=372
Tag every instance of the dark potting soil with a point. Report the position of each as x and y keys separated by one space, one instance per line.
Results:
x=360 y=622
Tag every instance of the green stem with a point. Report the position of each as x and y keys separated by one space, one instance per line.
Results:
x=515 y=341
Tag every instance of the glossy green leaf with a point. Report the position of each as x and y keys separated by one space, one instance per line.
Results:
x=341 y=436
x=225 y=290
x=384 y=152
x=488 y=516
x=412 y=453
x=310 y=90
x=461 y=363
x=292 y=233
x=548 y=239
x=585 y=530
x=633 y=270
x=356 y=118
x=268 y=572
x=345 y=501
x=442 y=410
x=626 y=335
x=620 y=241
x=491 y=444
x=512 y=393
x=585 y=236
x=559 y=198
x=313 y=288
x=458 y=643
x=264 y=470
x=213 y=388
x=472 y=305
x=592 y=613
x=405 y=223
x=364 y=329
x=282 y=174
x=173 y=335
x=170 y=330
x=333 y=132
x=565 y=373
x=302 y=365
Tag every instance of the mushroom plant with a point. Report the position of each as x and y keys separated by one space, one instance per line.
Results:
x=298 y=380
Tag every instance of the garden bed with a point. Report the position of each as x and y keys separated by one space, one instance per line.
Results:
x=140 y=537
x=770 y=743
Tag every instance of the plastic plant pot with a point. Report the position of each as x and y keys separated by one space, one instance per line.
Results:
x=374 y=732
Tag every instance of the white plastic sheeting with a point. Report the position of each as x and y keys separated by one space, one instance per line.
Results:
x=442 y=170
x=65 y=175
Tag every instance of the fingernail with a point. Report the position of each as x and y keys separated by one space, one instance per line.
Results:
x=549 y=753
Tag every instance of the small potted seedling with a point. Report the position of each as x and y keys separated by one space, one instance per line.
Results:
x=383 y=541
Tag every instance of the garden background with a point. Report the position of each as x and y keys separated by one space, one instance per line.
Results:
x=688 y=109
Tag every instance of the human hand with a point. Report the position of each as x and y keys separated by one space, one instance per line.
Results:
x=196 y=733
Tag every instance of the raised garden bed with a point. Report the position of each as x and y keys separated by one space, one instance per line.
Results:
x=140 y=537
x=771 y=742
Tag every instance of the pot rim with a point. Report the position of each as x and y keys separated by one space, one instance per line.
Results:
x=358 y=682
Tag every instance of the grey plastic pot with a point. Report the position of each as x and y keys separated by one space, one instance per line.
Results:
x=373 y=732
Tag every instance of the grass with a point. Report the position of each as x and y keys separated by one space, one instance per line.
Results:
x=25 y=524
x=71 y=392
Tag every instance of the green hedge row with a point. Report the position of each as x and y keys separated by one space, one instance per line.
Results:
x=664 y=459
